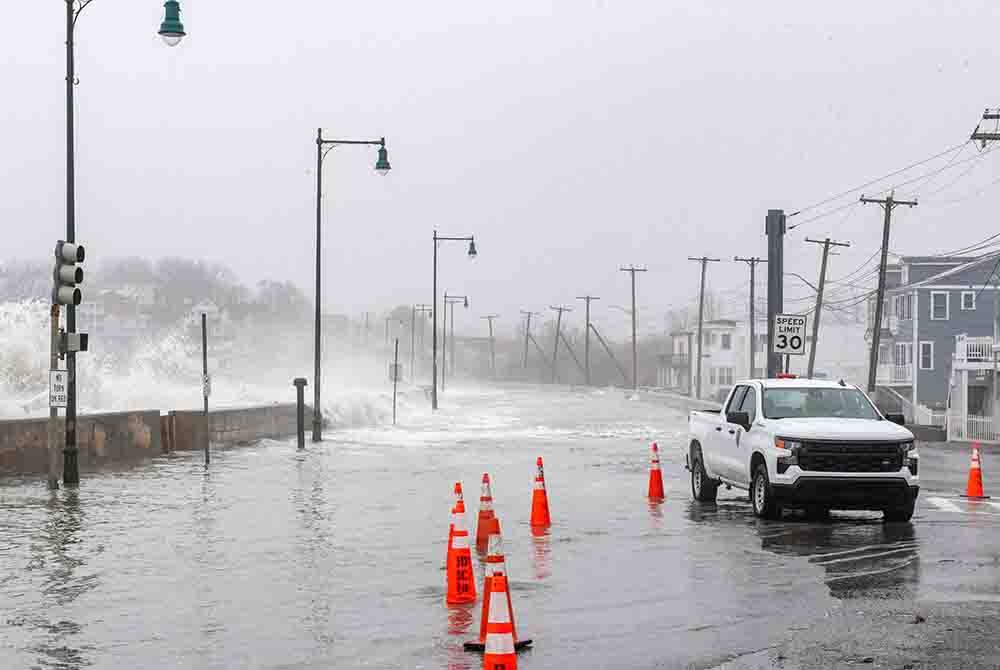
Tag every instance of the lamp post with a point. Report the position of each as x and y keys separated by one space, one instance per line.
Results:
x=323 y=147
x=450 y=300
x=472 y=254
x=172 y=31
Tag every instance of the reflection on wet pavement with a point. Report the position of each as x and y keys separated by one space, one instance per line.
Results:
x=332 y=557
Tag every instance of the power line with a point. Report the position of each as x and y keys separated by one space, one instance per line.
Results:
x=906 y=182
x=875 y=181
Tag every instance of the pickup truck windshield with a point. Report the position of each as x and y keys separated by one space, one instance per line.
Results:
x=843 y=403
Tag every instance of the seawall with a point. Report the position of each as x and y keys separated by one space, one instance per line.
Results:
x=117 y=438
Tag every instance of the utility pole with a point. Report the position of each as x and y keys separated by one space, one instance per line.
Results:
x=586 y=340
x=555 y=347
x=827 y=243
x=752 y=262
x=493 y=349
x=704 y=260
x=888 y=204
x=527 y=335
x=635 y=361
x=775 y=227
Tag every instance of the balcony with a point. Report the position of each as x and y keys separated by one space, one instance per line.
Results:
x=893 y=374
x=974 y=353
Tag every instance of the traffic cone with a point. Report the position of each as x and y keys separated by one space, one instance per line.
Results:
x=655 y=476
x=500 y=653
x=485 y=525
x=496 y=564
x=974 y=488
x=459 y=502
x=461 y=580
x=540 y=500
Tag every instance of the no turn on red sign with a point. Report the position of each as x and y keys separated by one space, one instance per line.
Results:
x=57 y=388
x=789 y=335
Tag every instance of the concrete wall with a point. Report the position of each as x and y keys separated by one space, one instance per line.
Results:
x=185 y=430
x=127 y=437
x=103 y=439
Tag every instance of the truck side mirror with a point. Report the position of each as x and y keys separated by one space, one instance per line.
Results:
x=896 y=418
x=739 y=418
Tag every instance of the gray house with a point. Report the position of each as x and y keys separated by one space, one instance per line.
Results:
x=936 y=351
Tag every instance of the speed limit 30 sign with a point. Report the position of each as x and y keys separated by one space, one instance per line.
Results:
x=789 y=335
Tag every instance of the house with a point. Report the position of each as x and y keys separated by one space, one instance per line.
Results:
x=721 y=357
x=674 y=370
x=936 y=351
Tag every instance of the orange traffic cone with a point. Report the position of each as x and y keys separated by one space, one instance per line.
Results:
x=496 y=564
x=540 y=500
x=459 y=502
x=974 y=489
x=461 y=580
x=500 y=653
x=484 y=525
x=655 y=476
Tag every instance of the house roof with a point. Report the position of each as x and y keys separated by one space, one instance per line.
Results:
x=966 y=263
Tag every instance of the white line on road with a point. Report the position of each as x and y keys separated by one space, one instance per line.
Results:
x=945 y=505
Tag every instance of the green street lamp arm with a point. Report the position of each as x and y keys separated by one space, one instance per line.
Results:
x=470 y=238
x=380 y=142
x=79 y=10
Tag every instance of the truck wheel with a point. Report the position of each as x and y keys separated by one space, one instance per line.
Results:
x=703 y=489
x=761 y=497
x=899 y=514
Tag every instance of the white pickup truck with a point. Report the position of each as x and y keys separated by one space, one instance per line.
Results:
x=803 y=443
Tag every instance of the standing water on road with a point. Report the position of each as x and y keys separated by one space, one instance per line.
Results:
x=332 y=557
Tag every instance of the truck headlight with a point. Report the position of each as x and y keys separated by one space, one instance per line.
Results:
x=786 y=460
x=908 y=450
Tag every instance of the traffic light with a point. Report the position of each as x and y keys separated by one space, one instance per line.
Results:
x=67 y=274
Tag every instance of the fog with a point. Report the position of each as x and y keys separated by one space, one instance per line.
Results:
x=569 y=137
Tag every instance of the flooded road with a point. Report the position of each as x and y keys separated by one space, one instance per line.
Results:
x=333 y=557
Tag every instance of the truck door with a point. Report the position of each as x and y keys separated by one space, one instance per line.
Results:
x=725 y=437
x=742 y=446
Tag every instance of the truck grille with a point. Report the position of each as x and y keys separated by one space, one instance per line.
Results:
x=853 y=457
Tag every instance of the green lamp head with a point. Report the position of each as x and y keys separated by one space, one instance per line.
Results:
x=172 y=30
x=382 y=164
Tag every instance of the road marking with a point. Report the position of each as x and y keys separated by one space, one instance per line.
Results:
x=945 y=505
x=865 y=557
x=969 y=506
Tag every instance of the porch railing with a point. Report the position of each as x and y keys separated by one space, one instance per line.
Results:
x=973 y=428
x=973 y=349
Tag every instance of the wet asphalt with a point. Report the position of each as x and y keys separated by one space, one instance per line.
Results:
x=332 y=557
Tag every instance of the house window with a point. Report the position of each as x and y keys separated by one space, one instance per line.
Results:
x=904 y=354
x=727 y=341
x=968 y=301
x=940 y=306
x=711 y=376
x=727 y=376
x=926 y=355
x=904 y=307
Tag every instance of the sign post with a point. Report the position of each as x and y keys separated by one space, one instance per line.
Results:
x=394 y=374
x=789 y=336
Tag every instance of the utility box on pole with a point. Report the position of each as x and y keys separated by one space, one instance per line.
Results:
x=775 y=228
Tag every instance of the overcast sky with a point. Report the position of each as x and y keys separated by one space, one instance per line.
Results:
x=570 y=137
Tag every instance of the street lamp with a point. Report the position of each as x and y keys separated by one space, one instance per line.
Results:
x=171 y=27
x=450 y=300
x=323 y=147
x=172 y=30
x=472 y=254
